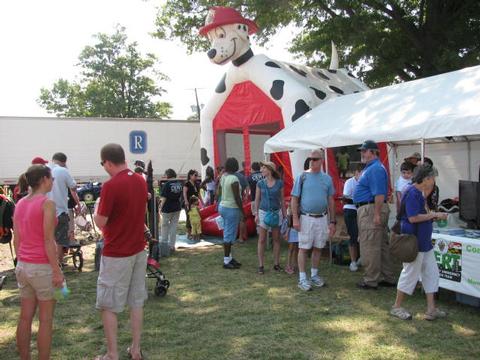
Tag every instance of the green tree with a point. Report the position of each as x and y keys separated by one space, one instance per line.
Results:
x=383 y=41
x=115 y=81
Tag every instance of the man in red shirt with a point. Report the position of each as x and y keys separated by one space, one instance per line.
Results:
x=120 y=216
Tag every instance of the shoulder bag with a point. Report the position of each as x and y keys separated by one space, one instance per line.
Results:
x=271 y=217
x=404 y=247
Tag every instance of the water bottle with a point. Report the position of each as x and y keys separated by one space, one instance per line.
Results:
x=61 y=293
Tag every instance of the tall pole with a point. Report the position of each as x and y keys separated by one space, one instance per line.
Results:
x=198 y=105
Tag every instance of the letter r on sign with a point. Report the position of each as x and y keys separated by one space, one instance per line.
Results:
x=138 y=142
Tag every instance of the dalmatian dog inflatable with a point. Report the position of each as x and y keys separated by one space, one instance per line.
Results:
x=295 y=89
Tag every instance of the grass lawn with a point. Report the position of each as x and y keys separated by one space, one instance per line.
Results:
x=212 y=313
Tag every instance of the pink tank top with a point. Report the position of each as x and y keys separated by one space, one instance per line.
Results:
x=29 y=221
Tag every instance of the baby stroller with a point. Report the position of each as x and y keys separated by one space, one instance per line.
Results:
x=154 y=272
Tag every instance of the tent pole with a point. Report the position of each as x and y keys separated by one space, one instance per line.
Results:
x=422 y=142
x=469 y=147
x=325 y=154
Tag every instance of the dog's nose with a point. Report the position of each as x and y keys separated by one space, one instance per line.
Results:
x=211 y=53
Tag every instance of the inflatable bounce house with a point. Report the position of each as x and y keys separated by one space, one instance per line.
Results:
x=259 y=95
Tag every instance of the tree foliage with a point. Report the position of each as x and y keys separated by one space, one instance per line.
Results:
x=115 y=81
x=383 y=41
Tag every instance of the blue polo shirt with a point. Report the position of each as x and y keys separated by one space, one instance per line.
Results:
x=415 y=205
x=372 y=182
x=317 y=187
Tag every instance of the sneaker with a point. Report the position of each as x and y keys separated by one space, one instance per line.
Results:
x=229 y=266
x=304 y=285
x=353 y=266
x=235 y=262
x=317 y=281
x=437 y=314
x=261 y=270
x=359 y=262
x=400 y=313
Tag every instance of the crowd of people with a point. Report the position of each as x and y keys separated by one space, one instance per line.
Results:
x=41 y=231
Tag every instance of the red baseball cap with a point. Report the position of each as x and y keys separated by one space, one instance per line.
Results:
x=39 y=160
x=220 y=15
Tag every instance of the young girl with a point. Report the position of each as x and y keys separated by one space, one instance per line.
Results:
x=195 y=219
x=291 y=235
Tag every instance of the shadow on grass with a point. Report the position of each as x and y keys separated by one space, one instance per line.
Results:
x=212 y=313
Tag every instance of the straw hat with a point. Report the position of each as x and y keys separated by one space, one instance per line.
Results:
x=271 y=166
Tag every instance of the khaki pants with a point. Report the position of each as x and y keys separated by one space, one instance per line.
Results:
x=374 y=245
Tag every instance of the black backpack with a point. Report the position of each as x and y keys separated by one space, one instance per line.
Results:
x=6 y=214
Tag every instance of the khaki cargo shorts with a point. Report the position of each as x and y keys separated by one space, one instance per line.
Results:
x=34 y=281
x=121 y=281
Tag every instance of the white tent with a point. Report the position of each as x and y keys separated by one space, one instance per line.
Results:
x=434 y=107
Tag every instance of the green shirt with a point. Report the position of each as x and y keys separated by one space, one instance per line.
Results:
x=342 y=161
x=228 y=198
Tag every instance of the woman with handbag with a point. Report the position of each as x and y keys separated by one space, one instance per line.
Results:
x=417 y=220
x=269 y=202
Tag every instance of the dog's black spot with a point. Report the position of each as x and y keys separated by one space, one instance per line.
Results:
x=321 y=75
x=239 y=27
x=356 y=91
x=332 y=71
x=337 y=90
x=301 y=108
x=221 y=87
x=204 y=157
x=272 y=64
x=319 y=93
x=277 y=89
x=298 y=71
x=351 y=75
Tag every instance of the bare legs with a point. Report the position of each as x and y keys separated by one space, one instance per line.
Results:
x=430 y=301
x=262 y=238
x=136 y=324
x=302 y=258
x=24 y=328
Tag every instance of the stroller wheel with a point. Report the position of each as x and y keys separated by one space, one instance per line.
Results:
x=166 y=283
x=160 y=290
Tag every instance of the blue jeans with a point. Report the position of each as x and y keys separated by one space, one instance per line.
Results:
x=231 y=219
x=350 y=217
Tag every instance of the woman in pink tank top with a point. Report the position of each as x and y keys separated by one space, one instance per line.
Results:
x=37 y=271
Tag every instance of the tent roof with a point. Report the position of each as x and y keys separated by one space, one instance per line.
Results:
x=434 y=107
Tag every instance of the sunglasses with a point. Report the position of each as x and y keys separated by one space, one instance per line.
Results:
x=102 y=162
x=314 y=159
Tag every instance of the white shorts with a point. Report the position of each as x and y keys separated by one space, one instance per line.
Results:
x=425 y=266
x=261 y=218
x=313 y=232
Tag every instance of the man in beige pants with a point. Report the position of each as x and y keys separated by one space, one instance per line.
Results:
x=370 y=197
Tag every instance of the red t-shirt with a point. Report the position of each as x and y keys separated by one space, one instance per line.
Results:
x=123 y=200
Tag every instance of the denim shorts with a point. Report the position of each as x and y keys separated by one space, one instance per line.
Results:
x=231 y=219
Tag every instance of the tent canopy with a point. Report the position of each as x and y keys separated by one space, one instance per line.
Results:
x=435 y=107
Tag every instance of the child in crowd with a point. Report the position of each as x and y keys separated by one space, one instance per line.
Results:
x=195 y=219
x=405 y=179
x=291 y=235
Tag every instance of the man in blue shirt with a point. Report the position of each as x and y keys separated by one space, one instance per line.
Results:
x=370 y=197
x=313 y=213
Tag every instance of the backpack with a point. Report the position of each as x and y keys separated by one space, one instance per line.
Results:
x=6 y=213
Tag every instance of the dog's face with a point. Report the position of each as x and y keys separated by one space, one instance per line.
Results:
x=228 y=42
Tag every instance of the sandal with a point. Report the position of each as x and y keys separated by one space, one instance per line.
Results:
x=261 y=270
x=400 y=313
x=437 y=314
x=289 y=270
x=131 y=357
x=277 y=268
